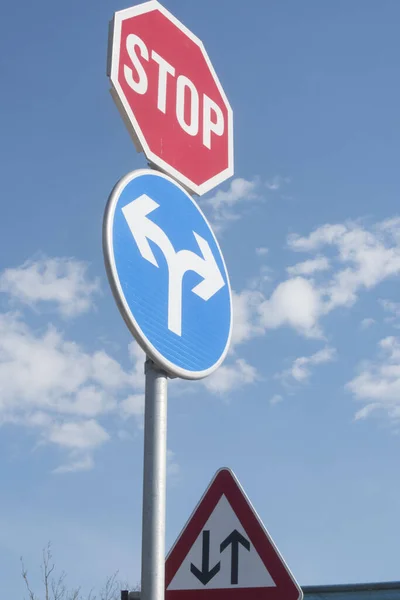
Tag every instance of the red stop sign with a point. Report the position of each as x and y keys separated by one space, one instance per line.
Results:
x=170 y=96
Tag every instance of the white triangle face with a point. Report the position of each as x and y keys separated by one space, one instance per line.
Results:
x=245 y=570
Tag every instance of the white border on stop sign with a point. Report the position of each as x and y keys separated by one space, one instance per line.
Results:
x=127 y=114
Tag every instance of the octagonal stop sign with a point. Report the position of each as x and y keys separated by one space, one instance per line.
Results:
x=170 y=96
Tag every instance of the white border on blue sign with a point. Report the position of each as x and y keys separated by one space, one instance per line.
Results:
x=119 y=296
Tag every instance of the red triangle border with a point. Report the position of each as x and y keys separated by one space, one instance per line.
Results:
x=225 y=483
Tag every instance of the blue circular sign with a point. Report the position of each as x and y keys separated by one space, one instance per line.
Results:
x=167 y=274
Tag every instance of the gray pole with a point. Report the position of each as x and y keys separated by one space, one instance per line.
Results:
x=154 y=483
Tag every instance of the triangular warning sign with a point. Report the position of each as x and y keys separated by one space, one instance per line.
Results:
x=225 y=553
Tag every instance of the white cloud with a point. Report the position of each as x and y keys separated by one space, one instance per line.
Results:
x=365 y=412
x=48 y=381
x=246 y=321
x=276 y=182
x=368 y=257
x=228 y=205
x=52 y=385
x=262 y=280
x=239 y=190
x=138 y=358
x=295 y=302
x=133 y=406
x=326 y=234
x=301 y=368
x=361 y=259
x=80 y=435
x=82 y=463
x=391 y=226
x=124 y=435
x=225 y=205
x=308 y=267
x=377 y=385
x=57 y=389
x=173 y=467
x=63 y=282
x=262 y=251
x=393 y=309
x=230 y=377
x=43 y=370
x=276 y=399
x=80 y=438
x=367 y=323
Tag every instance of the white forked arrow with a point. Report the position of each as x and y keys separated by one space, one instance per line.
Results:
x=144 y=229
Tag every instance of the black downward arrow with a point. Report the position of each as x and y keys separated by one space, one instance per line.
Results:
x=205 y=575
x=234 y=539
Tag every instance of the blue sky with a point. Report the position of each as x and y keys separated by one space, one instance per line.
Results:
x=306 y=408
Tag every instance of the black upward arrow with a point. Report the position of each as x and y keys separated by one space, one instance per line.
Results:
x=234 y=539
x=205 y=575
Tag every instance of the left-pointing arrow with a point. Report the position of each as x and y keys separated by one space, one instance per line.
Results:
x=206 y=574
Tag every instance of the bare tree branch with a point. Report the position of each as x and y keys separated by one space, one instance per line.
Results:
x=55 y=588
x=110 y=589
x=47 y=568
x=74 y=595
x=25 y=578
x=91 y=596
x=58 y=587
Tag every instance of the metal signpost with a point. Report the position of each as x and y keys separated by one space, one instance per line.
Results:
x=170 y=283
x=164 y=264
